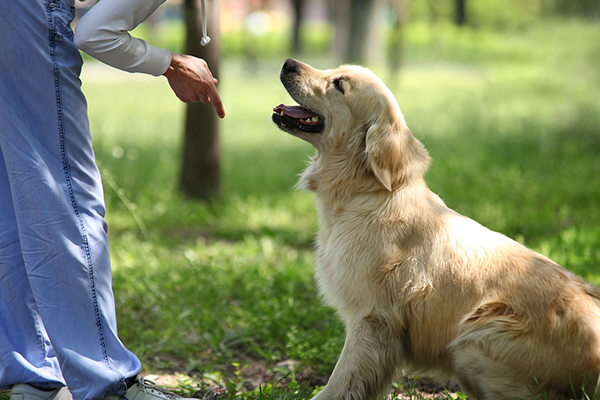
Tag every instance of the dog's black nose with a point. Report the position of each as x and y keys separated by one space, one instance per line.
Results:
x=290 y=65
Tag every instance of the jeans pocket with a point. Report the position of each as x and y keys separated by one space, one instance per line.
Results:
x=64 y=51
x=61 y=16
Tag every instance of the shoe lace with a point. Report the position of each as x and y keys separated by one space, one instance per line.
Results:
x=149 y=386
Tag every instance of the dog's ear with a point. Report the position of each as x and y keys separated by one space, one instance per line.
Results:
x=393 y=152
x=383 y=151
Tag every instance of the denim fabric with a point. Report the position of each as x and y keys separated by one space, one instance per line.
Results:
x=57 y=314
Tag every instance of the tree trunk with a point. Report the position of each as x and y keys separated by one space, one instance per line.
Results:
x=339 y=15
x=360 y=21
x=201 y=172
x=461 y=12
x=298 y=7
x=401 y=13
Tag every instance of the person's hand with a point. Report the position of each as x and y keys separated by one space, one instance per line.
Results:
x=191 y=80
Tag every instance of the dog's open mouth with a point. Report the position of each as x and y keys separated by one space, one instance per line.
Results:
x=295 y=117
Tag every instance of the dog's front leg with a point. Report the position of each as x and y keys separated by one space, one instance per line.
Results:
x=368 y=361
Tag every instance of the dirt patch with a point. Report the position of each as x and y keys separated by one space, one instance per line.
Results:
x=255 y=374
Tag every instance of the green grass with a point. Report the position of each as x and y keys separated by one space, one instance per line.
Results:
x=511 y=119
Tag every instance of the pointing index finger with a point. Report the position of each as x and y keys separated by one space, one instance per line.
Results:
x=216 y=100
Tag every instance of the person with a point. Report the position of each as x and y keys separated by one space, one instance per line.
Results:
x=58 y=329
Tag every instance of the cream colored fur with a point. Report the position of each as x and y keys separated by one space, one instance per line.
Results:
x=418 y=285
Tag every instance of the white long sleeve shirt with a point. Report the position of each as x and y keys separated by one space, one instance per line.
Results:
x=103 y=33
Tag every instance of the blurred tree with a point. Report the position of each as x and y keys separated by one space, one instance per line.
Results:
x=584 y=8
x=352 y=21
x=360 y=22
x=201 y=171
x=401 y=14
x=298 y=6
x=339 y=15
x=433 y=11
x=460 y=12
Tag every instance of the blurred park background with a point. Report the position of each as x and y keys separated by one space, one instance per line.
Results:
x=211 y=244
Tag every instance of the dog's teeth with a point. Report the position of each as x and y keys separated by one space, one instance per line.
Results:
x=281 y=113
x=315 y=119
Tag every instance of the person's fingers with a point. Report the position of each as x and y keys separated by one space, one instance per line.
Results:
x=195 y=97
x=203 y=98
x=184 y=98
x=219 y=109
x=208 y=69
x=196 y=83
x=215 y=98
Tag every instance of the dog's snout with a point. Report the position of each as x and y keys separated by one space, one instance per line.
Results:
x=290 y=65
x=289 y=72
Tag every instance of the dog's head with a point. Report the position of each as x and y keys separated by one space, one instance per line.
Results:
x=354 y=122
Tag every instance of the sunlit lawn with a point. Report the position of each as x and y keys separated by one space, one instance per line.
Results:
x=512 y=121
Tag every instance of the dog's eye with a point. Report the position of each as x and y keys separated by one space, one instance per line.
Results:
x=338 y=83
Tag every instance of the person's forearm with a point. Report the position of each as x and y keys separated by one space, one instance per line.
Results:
x=103 y=33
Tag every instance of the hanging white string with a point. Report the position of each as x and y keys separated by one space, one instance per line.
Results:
x=205 y=39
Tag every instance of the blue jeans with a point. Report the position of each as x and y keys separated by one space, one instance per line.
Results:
x=57 y=312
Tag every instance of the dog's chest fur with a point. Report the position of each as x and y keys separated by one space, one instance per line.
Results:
x=355 y=254
x=341 y=271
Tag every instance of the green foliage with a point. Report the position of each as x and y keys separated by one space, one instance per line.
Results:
x=511 y=120
x=582 y=8
x=503 y=14
x=241 y=43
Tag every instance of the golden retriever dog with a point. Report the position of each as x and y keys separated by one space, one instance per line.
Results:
x=419 y=286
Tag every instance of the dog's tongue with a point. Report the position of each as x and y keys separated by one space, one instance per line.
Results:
x=293 y=111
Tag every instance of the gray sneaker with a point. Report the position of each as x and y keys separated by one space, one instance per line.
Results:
x=23 y=391
x=147 y=390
